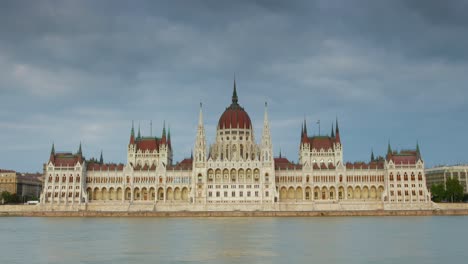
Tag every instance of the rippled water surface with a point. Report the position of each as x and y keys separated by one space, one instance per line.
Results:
x=234 y=240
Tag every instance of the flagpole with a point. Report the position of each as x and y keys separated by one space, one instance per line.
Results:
x=318 y=122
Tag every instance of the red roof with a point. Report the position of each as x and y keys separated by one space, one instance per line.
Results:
x=284 y=163
x=319 y=142
x=185 y=164
x=404 y=159
x=235 y=117
x=150 y=144
x=66 y=159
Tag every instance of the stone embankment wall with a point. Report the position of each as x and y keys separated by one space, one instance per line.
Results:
x=276 y=210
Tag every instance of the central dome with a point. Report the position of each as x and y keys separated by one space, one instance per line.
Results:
x=234 y=116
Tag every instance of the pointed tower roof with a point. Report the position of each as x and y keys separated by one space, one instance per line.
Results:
x=372 y=155
x=332 y=131
x=200 y=116
x=234 y=116
x=337 y=132
x=418 y=152
x=101 y=159
x=79 y=150
x=234 y=93
x=52 y=153
x=132 y=135
x=169 y=135
x=302 y=130
x=139 y=134
x=163 y=138
x=389 y=149
x=305 y=127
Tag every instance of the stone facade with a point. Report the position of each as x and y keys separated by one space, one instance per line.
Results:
x=237 y=173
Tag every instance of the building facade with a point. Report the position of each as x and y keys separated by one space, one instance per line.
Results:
x=21 y=184
x=440 y=174
x=235 y=171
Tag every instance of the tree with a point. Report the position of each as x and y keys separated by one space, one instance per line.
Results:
x=9 y=198
x=453 y=190
x=438 y=192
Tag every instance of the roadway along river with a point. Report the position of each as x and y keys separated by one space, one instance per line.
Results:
x=235 y=240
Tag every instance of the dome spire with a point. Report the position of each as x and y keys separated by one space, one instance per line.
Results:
x=235 y=99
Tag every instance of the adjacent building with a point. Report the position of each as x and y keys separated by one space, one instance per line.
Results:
x=21 y=184
x=236 y=170
x=440 y=174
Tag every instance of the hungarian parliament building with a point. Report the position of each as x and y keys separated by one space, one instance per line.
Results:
x=236 y=172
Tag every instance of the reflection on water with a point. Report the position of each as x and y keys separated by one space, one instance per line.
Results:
x=234 y=240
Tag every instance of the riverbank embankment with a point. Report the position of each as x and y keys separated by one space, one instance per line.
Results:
x=151 y=211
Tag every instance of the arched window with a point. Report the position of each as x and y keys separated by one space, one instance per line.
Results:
x=241 y=149
x=391 y=176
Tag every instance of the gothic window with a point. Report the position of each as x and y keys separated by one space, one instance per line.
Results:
x=405 y=176
x=391 y=176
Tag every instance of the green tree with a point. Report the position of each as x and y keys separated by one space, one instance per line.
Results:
x=453 y=190
x=9 y=198
x=438 y=192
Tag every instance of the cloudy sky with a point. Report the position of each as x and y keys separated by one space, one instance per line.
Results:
x=74 y=71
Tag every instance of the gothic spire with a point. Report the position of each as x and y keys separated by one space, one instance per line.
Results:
x=302 y=130
x=234 y=93
x=163 y=137
x=79 y=150
x=372 y=158
x=337 y=132
x=389 y=149
x=200 y=116
x=139 y=134
x=101 y=159
x=305 y=127
x=169 y=133
x=132 y=135
x=52 y=151
x=418 y=152
x=337 y=128
x=332 y=131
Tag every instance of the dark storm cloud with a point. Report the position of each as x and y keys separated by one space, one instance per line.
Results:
x=82 y=70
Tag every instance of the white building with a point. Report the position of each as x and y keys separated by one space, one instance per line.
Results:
x=236 y=172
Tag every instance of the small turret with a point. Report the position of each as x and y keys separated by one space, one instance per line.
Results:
x=101 y=159
x=372 y=158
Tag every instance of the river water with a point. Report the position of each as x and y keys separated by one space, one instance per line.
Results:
x=235 y=240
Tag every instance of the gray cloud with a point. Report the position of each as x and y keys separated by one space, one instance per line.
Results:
x=82 y=70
